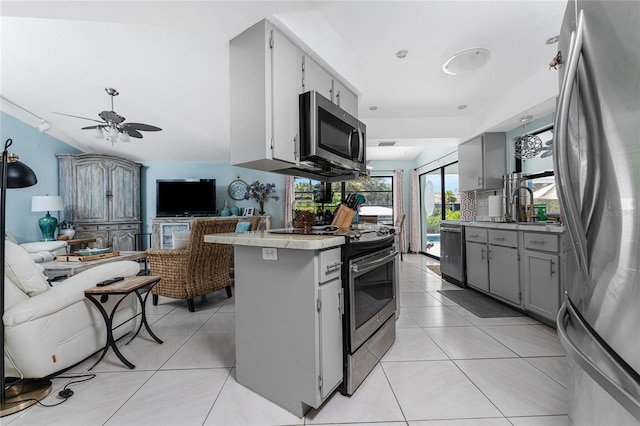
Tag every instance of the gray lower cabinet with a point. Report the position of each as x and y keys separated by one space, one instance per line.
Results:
x=101 y=195
x=289 y=325
x=504 y=273
x=477 y=266
x=493 y=263
x=543 y=267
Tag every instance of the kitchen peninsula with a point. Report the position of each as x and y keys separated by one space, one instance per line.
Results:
x=288 y=302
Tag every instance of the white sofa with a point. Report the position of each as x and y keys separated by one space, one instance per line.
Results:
x=41 y=251
x=48 y=329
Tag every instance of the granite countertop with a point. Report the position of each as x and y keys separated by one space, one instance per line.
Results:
x=536 y=227
x=267 y=239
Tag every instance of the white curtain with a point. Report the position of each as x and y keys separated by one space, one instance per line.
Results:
x=289 y=197
x=398 y=205
x=414 y=209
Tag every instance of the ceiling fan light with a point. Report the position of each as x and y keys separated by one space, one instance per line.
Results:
x=124 y=137
x=113 y=132
x=98 y=133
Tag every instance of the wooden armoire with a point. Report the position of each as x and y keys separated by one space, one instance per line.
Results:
x=101 y=195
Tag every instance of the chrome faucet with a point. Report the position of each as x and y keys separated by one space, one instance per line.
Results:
x=513 y=195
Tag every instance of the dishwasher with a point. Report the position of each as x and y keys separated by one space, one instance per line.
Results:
x=452 y=264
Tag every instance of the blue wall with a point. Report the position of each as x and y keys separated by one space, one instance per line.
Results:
x=38 y=151
x=223 y=173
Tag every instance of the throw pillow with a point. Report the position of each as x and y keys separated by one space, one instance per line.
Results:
x=243 y=227
x=23 y=271
x=181 y=239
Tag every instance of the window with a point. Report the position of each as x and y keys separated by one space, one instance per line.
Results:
x=378 y=194
x=540 y=170
x=377 y=191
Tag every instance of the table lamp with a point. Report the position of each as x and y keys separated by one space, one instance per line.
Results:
x=47 y=223
x=21 y=393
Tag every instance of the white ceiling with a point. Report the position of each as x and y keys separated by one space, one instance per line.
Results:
x=169 y=61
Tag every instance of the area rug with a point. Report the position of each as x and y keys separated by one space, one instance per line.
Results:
x=480 y=305
x=435 y=268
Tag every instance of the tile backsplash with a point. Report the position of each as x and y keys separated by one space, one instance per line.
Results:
x=475 y=205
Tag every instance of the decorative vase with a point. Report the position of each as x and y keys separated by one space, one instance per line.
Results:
x=235 y=211
x=261 y=211
x=69 y=232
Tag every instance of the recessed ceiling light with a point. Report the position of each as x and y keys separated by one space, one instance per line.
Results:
x=462 y=106
x=466 y=61
x=401 y=54
x=373 y=108
x=552 y=40
x=526 y=118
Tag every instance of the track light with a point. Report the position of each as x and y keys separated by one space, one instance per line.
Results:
x=44 y=126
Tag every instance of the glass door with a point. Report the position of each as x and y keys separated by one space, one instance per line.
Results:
x=431 y=211
x=439 y=200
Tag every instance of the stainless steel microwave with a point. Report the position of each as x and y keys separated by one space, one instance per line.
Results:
x=330 y=136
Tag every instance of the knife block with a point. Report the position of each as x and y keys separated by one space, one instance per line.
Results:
x=343 y=216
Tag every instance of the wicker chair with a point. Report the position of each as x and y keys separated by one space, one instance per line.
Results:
x=200 y=268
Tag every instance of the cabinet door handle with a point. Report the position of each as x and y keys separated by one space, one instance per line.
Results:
x=109 y=193
x=338 y=98
x=341 y=301
x=551 y=271
x=334 y=266
x=481 y=254
x=479 y=180
x=538 y=242
x=488 y=255
x=498 y=238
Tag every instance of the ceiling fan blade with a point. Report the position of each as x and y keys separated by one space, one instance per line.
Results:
x=133 y=133
x=143 y=127
x=77 y=116
x=111 y=117
x=99 y=126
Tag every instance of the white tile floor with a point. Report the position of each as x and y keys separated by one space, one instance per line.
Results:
x=447 y=367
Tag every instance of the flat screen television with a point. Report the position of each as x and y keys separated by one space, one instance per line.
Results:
x=185 y=197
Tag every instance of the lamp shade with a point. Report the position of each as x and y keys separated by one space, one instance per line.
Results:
x=46 y=203
x=19 y=175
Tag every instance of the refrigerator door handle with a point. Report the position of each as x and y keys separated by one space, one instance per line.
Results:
x=630 y=402
x=566 y=196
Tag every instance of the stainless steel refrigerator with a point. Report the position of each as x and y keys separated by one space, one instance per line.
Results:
x=597 y=161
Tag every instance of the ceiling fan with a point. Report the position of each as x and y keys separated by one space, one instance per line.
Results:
x=113 y=124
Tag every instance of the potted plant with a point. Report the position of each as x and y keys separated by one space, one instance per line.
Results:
x=261 y=192
x=67 y=228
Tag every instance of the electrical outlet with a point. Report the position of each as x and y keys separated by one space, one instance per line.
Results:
x=269 y=254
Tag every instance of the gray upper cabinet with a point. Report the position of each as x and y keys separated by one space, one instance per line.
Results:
x=482 y=162
x=264 y=98
x=315 y=77
x=101 y=195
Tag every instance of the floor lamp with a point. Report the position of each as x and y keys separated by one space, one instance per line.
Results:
x=15 y=174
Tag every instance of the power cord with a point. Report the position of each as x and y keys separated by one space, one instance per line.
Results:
x=65 y=393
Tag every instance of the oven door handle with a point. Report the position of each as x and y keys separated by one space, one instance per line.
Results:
x=368 y=266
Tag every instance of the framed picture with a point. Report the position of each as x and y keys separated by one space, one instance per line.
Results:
x=248 y=211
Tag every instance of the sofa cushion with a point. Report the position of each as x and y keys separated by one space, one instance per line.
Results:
x=23 y=271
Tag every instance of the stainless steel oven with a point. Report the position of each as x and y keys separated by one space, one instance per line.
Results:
x=370 y=305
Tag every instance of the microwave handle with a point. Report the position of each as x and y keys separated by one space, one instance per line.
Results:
x=360 y=144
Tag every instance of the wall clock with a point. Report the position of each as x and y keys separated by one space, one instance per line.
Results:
x=237 y=189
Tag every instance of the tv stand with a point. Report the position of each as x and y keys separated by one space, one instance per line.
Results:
x=162 y=227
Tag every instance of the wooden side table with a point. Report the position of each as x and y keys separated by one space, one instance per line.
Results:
x=124 y=288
